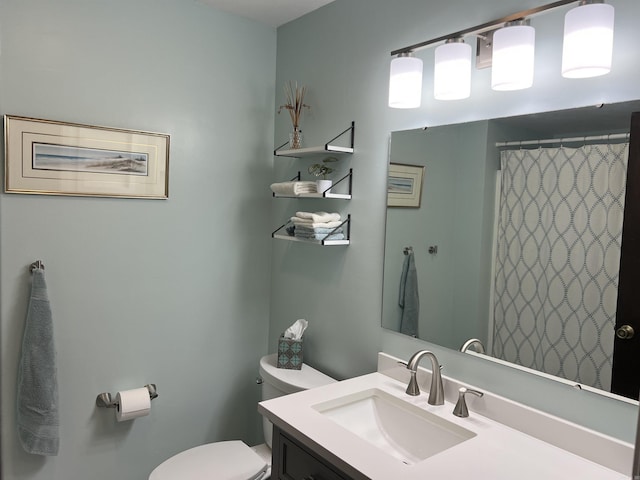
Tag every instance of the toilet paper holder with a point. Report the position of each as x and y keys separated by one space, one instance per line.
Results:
x=105 y=400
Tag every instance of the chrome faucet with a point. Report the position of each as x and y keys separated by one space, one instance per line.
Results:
x=436 y=392
x=472 y=343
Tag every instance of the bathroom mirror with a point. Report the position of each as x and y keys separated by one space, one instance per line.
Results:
x=471 y=242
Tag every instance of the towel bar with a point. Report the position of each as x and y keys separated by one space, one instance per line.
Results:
x=105 y=400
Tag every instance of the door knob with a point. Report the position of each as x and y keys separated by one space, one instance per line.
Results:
x=625 y=332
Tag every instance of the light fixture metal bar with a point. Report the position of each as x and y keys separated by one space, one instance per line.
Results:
x=484 y=27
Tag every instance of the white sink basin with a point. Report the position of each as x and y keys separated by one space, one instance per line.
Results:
x=398 y=428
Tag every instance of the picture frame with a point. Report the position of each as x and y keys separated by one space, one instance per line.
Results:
x=404 y=185
x=49 y=157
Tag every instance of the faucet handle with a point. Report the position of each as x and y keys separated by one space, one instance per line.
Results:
x=461 y=410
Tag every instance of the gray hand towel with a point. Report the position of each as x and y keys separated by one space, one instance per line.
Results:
x=408 y=298
x=37 y=399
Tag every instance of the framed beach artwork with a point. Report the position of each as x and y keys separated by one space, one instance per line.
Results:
x=55 y=158
x=404 y=186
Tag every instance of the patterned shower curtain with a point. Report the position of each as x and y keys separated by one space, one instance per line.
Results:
x=557 y=261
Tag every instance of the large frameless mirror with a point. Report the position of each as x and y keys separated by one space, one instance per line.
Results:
x=512 y=248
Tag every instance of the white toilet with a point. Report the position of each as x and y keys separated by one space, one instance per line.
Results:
x=234 y=460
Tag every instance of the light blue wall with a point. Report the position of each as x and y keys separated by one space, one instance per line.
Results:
x=172 y=292
x=176 y=292
x=342 y=53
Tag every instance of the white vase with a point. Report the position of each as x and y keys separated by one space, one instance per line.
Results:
x=322 y=185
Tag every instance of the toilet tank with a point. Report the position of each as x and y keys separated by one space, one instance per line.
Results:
x=277 y=382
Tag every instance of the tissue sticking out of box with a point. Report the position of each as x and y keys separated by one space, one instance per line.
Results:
x=296 y=330
x=290 y=351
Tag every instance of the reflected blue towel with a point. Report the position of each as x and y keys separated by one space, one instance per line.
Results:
x=37 y=399
x=408 y=298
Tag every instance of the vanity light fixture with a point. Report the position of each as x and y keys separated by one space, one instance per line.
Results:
x=405 y=81
x=588 y=40
x=513 y=56
x=586 y=52
x=452 y=70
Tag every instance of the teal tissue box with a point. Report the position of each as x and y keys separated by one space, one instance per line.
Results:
x=289 y=353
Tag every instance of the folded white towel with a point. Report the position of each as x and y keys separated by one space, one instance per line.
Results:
x=308 y=223
x=302 y=229
x=293 y=188
x=318 y=217
x=321 y=236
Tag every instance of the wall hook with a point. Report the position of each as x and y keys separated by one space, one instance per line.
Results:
x=38 y=264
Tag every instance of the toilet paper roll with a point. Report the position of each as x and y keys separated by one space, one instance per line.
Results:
x=132 y=404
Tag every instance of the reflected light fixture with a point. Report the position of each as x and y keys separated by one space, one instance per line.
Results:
x=405 y=81
x=588 y=40
x=513 y=56
x=452 y=70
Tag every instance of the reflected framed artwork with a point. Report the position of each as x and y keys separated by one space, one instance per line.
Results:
x=54 y=158
x=404 y=186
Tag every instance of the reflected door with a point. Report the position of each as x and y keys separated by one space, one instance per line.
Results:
x=626 y=352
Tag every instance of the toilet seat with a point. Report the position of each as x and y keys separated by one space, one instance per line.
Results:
x=232 y=460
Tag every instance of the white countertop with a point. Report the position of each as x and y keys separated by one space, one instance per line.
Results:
x=497 y=452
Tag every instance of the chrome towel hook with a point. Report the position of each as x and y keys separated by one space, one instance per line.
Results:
x=38 y=264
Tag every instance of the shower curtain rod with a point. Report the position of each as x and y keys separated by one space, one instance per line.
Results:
x=592 y=138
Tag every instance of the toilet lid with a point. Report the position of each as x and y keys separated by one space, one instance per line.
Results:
x=231 y=460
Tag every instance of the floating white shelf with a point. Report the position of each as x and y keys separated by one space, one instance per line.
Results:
x=340 y=196
x=315 y=242
x=310 y=151
x=346 y=241
x=326 y=148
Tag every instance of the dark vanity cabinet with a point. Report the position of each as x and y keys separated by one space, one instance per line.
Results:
x=294 y=461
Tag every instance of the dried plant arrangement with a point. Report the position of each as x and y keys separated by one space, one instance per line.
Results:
x=294 y=97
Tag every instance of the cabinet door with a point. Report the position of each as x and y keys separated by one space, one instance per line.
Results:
x=294 y=462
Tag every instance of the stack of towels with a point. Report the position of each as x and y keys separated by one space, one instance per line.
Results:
x=293 y=188
x=317 y=226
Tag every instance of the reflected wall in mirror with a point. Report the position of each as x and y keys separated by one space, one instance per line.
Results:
x=515 y=245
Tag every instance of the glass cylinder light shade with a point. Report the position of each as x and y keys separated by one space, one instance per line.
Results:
x=588 y=41
x=405 y=82
x=513 y=57
x=452 y=72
